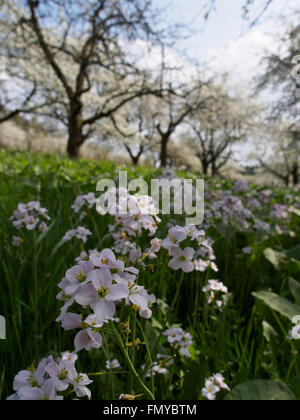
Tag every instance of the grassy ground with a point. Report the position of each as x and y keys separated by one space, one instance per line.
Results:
x=245 y=341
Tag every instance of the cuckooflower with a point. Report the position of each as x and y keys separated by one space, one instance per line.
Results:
x=220 y=381
x=107 y=259
x=213 y=385
x=210 y=390
x=295 y=333
x=100 y=293
x=182 y=259
x=71 y=321
x=17 y=241
x=49 y=377
x=59 y=372
x=114 y=364
x=79 y=381
x=214 y=289
x=87 y=339
x=247 y=250
x=75 y=277
x=180 y=340
x=174 y=335
x=176 y=235
x=79 y=233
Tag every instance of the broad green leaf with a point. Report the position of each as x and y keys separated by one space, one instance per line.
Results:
x=278 y=304
x=294 y=253
x=269 y=332
x=261 y=390
x=294 y=384
x=274 y=257
x=294 y=286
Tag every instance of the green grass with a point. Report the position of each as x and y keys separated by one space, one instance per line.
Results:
x=232 y=341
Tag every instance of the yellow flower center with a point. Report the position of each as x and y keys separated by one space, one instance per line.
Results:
x=32 y=382
x=63 y=374
x=80 y=277
x=102 y=292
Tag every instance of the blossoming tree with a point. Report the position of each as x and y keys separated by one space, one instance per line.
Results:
x=79 y=57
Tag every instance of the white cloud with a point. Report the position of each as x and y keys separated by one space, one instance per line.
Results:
x=177 y=68
x=241 y=58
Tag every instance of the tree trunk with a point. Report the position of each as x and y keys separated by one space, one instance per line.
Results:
x=214 y=170
x=134 y=159
x=75 y=135
x=164 y=152
x=73 y=147
x=295 y=174
x=286 y=180
x=205 y=166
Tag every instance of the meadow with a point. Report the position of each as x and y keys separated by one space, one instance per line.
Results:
x=178 y=335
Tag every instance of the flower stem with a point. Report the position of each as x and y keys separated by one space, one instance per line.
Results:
x=130 y=365
x=177 y=291
x=36 y=294
x=149 y=355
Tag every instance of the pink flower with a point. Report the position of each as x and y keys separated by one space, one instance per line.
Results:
x=80 y=382
x=107 y=259
x=43 y=227
x=247 y=250
x=31 y=222
x=75 y=277
x=79 y=233
x=100 y=293
x=71 y=321
x=155 y=244
x=87 y=339
x=182 y=259
x=176 y=235
x=135 y=254
x=140 y=298
x=17 y=241
x=45 y=392
x=59 y=372
x=50 y=376
x=174 y=335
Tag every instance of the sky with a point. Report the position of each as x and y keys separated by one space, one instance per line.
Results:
x=226 y=41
